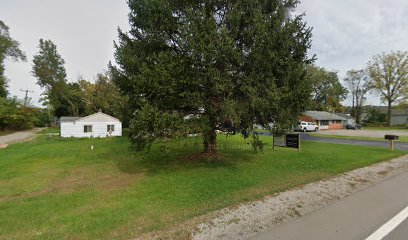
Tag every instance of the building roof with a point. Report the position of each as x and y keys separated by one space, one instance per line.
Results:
x=99 y=117
x=69 y=119
x=320 y=115
x=345 y=115
x=399 y=112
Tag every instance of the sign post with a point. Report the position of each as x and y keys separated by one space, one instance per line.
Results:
x=279 y=141
x=391 y=138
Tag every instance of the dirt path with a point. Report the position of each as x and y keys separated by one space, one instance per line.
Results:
x=18 y=136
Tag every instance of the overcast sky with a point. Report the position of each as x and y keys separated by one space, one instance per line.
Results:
x=346 y=33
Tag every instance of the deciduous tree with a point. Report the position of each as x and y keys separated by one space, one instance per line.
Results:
x=389 y=72
x=359 y=84
x=327 y=92
x=8 y=48
x=104 y=95
x=48 y=68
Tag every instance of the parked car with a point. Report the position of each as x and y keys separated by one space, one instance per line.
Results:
x=307 y=127
x=354 y=126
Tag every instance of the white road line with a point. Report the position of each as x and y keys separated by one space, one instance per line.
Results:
x=389 y=226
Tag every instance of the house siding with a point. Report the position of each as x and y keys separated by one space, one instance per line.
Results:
x=99 y=123
x=327 y=124
x=99 y=129
x=335 y=125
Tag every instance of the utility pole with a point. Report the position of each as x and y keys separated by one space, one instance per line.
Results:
x=26 y=96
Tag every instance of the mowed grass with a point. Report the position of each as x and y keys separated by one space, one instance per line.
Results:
x=399 y=128
x=52 y=188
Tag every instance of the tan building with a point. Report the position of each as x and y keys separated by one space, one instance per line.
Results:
x=324 y=120
x=399 y=117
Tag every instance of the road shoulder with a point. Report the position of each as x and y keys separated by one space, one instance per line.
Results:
x=250 y=219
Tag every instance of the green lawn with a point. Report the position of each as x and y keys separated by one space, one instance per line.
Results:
x=51 y=130
x=401 y=138
x=387 y=128
x=53 y=188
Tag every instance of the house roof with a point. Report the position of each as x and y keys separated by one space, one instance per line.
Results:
x=320 y=115
x=99 y=116
x=346 y=116
x=69 y=119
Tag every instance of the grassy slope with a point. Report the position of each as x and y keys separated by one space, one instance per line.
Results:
x=57 y=189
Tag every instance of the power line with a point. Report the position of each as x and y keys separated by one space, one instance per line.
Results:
x=26 y=95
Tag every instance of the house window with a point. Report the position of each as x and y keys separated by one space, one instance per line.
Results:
x=87 y=128
x=324 y=123
x=111 y=128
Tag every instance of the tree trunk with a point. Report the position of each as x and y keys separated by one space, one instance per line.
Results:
x=389 y=113
x=358 y=115
x=358 y=108
x=353 y=110
x=210 y=137
x=210 y=142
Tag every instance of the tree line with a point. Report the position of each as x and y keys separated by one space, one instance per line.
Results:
x=75 y=98
x=60 y=97
x=14 y=114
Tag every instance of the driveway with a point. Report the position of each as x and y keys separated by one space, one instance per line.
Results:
x=364 y=133
x=18 y=136
x=383 y=144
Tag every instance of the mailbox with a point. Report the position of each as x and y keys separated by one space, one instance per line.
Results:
x=391 y=137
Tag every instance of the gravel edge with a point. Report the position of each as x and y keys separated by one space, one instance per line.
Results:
x=249 y=219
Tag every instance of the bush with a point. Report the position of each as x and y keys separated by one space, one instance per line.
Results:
x=15 y=117
x=375 y=118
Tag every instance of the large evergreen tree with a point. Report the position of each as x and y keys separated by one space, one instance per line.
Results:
x=8 y=48
x=189 y=64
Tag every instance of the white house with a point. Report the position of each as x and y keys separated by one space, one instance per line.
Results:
x=95 y=125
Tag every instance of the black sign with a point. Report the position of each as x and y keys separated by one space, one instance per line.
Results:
x=391 y=137
x=292 y=140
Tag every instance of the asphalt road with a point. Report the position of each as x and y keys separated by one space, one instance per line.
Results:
x=368 y=213
x=18 y=136
x=401 y=232
x=383 y=144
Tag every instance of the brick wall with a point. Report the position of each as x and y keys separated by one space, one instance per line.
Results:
x=335 y=125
